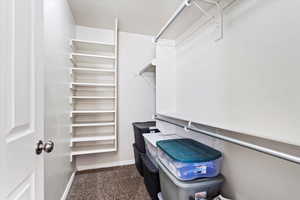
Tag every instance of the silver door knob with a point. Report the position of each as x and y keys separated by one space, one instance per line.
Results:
x=49 y=146
x=39 y=147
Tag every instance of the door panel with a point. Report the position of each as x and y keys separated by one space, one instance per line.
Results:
x=21 y=99
x=26 y=191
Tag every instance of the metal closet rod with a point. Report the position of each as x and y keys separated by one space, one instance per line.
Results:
x=174 y=16
x=185 y=4
x=248 y=145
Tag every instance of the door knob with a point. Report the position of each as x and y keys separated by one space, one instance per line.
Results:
x=49 y=146
x=39 y=147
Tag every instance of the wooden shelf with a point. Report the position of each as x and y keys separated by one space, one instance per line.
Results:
x=90 y=150
x=93 y=124
x=91 y=97
x=92 y=70
x=93 y=46
x=91 y=112
x=91 y=85
x=94 y=87
x=92 y=138
x=78 y=58
x=72 y=98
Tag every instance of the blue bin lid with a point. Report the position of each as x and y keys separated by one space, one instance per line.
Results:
x=188 y=150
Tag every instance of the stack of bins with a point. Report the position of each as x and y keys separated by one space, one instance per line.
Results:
x=142 y=162
x=139 y=146
x=188 y=169
x=151 y=174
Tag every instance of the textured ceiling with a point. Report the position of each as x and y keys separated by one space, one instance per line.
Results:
x=135 y=16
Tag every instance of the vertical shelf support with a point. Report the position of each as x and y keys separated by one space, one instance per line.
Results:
x=116 y=38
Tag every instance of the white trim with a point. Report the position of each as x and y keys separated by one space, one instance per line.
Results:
x=105 y=165
x=68 y=187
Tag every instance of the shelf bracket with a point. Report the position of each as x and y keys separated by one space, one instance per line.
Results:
x=186 y=128
x=220 y=21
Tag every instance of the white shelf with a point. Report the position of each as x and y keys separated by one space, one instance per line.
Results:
x=93 y=124
x=92 y=138
x=91 y=151
x=78 y=58
x=92 y=62
x=91 y=84
x=150 y=67
x=91 y=97
x=91 y=112
x=84 y=45
x=93 y=70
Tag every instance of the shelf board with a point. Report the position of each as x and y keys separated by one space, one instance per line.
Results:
x=85 y=45
x=91 y=151
x=72 y=98
x=78 y=58
x=91 y=97
x=91 y=112
x=91 y=84
x=93 y=70
x=93 y=124
x=92 y=138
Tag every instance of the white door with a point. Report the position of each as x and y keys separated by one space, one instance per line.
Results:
x=21 y=99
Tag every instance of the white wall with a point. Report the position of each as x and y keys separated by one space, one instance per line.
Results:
x=247 y=82
x=59 y=28
x=136 y=95
x=166 y=77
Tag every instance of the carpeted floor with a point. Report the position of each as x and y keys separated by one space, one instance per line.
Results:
x=118 y=183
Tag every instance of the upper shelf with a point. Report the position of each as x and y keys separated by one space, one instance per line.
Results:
x=218 y=18
x=150 y=67
x=91 y=46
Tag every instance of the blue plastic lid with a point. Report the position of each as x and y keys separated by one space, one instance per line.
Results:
x=188 y=151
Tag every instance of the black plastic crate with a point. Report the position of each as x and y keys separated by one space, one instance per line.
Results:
x=138 y=159
x=151 y=177
x=140 y=128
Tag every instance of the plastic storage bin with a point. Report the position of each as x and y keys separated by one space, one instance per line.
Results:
x=151 y=177
x=174 y=189
x=138 y=159
x=188 y=159
x=150 y=141
x=139 y=129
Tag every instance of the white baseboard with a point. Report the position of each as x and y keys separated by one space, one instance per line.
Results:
x=68 y=187
x=105 y=165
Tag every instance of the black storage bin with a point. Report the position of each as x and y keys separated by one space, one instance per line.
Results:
x=138 y=159
x=140 y=128
x=151 y=177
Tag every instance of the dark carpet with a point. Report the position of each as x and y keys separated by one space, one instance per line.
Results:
x=117 y=183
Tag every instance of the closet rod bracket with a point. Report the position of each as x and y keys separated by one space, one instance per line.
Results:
x=188 y=2
x=220 y=20
x=187 y=128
